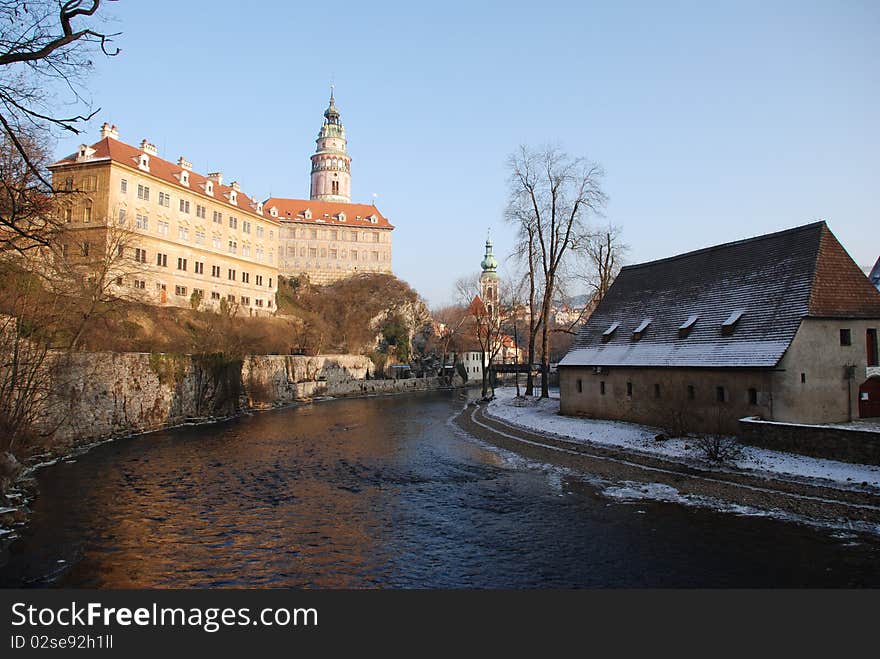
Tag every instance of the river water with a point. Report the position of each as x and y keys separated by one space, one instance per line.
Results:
x=385 y=492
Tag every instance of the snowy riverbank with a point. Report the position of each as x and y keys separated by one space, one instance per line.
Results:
x=543 y=416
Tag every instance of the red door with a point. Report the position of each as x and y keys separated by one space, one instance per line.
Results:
x=869 y=398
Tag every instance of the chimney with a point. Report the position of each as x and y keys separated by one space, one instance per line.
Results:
x=235 y=186
x=109 y=131
x=217 y=177
x=183 y=163
x=146 y=147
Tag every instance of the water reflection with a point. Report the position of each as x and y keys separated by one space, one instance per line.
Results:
x=382 y=492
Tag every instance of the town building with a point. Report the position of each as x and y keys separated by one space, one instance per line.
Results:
x=182 y=238
x=326 y=237
x=782 y=327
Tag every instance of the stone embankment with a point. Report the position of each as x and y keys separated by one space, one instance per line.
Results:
x=98 y=396
x=799 y=498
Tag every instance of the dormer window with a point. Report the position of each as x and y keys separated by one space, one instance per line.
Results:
x=144 y=162
x=233 y=197
x=341 y=217
x=308 y=214
x=209 y=188
x=273 y=212
x=639 y=331
x=374 y=219
x=729 y=325
x=685 y=328
x=184 y=178
x=85 y=152
x=612 y=328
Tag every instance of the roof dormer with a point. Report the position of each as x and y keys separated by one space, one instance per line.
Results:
x=273 y=211
x=209 y=188
x=639 y=331
x=341 y=216
x=183 y=177
x=729 y=325
x=608 y=333
x=233 y=197
x=85 y=153
x=143 y=162
x=308 y=214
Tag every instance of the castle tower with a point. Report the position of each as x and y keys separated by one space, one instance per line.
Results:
x=331 y=165
x=489 y=280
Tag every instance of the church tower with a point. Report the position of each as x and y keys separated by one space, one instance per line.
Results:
x=489 y=280
x=331 y=165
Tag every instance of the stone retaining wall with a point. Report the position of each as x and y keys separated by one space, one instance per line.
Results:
x=102 y=395
x=860 y=446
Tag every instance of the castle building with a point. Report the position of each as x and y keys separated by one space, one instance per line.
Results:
x=176 y=237
x=326 y=237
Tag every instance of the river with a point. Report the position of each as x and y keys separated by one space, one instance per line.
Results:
x=385 y=492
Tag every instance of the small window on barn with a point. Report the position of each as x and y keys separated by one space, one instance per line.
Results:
x=753 y=396
x=803 y=378
x=602 y=388
x=720 y=394
x=580 y=385
x=612 y=328
x=685 y=328
x=845 y=337
x=629 y=389
x=692 y=393
x=729 y=325
x=656 y=391
x=639 y=331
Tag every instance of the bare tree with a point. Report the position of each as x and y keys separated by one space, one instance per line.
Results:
x=551 y=197
x=604 y=252
x=484 y=325
x=44 y=46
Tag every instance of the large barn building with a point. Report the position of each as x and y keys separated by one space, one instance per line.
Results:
x=782 y=326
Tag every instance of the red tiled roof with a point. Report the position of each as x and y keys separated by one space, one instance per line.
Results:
x=326 y=212
x=167 y=171
x=840 y=288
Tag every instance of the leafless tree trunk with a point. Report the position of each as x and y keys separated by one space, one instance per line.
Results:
x=604 y=252
x=551 y=197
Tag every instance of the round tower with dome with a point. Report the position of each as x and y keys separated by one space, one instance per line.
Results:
x=489 y=279
x=331 y=164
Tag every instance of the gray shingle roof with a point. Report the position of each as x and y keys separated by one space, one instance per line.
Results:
x=875 y=274
x=768 y=278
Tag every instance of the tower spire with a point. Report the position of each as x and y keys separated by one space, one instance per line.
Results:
x=331 y=164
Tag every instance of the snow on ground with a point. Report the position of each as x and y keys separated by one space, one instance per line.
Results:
x=543 y=416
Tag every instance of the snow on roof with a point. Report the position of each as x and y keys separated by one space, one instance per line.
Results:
x=764 y=285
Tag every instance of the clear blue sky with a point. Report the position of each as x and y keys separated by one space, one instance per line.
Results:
x=714 y=121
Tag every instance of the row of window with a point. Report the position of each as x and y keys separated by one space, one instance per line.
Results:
x=334 y=234
x=140 y=255
x=722 y=394
x=873 y=358
x=183 y=291
x=184 y=206
x=353 y=255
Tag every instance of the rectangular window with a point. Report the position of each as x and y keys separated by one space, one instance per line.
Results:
x=215 y=242
x=629 y=389
x=580 y=385
x=692 y=393
x=218 y=217
x=87 y=214
x=215 y=295
x=803 y=378
x=84 y=248
x=845 y=337
x=230 y=297
x=602 y=388
x=68 y=215
x=871 y=345
x=354 y=255
x=164 y=199
x=375 y=237
x=123 y=186
x=260 y=232
x=656 y=391
x=201 y=211
x=313 y=252
x=245 y=301
x=140 y=283
x=245 y=277
x=246 y=226
x=121 y=216
x=181 y=264
x=270 y=282
x=162 y=260
x=180 y=290
x=233 y=247
x=720 y=394
x=200 y=237
x=140 y=255
x=215 y=270
x=183 y=233
x=259 y=280
x=230 y=275
x=313 y=234
x=143 y=192
x=141 y=222
x=233 y=222
x=184 y=206
x=162 y=228
x=199 y=268
x=753 y=396
x=119 y=281
x=258 y=302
